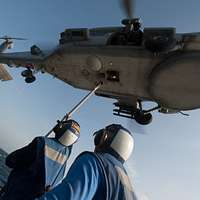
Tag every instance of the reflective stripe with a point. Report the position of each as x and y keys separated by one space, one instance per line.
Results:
x=55 y=155
x=124 y=178
x=76 y=127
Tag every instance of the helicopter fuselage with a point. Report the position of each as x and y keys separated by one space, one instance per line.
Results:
x=171 y=78
x=123 y=70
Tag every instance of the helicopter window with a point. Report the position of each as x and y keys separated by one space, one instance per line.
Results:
x=104 y=31
x=112 y=75
x=77 y=33
x=71 y=35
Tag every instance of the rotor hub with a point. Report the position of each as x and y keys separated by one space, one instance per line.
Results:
x=131 y=21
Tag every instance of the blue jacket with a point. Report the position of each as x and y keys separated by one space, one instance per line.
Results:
x=37 y=166
x=93 y=176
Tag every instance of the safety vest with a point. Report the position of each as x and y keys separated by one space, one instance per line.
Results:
x=55 y=160
x=47 y=169
x=118 y=185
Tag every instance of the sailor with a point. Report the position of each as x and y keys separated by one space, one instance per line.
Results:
x=99 y=175
x=40 y=166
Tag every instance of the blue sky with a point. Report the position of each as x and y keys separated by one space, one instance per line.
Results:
x=165 y=164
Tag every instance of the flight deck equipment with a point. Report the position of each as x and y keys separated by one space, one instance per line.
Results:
x=60 y=124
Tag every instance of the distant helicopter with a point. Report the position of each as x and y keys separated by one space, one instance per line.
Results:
x=154 y=64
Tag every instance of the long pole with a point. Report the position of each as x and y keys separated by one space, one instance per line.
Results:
x=77 y=106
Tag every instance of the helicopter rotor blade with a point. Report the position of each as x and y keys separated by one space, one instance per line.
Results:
x=11 y=38
x=129 y=7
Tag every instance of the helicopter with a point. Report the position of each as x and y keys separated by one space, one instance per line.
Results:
x=155 y=64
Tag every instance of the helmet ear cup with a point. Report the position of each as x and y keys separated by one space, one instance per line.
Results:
x=104 y=137
x=100 y=139
x=59 y=129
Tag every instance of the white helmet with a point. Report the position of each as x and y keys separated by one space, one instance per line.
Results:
x=116 y=140
x=67 y=132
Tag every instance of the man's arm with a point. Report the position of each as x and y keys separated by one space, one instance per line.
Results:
x=81 y=182
x=23 y=156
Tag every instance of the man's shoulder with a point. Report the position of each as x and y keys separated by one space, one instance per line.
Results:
x=87 y=154
x=94 y=155
x=39 y=138
x=45 y=139
x=87 y=163
x=87 y=157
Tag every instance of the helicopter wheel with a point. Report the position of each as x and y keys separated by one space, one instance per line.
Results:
x=30 y=79
x=143 y=118
x=27 y=73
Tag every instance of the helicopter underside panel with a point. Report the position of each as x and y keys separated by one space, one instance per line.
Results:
x=123 y=70
x=175 y=83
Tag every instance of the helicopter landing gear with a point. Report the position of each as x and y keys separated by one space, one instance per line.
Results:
x=137 y=113
x=29 y=77
x=27 y=73
x=142 y=117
